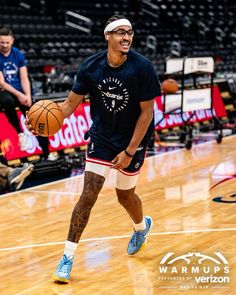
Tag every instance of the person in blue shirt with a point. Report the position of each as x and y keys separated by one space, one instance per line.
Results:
x=122 y=85
x=15 y=88
x=14 y=81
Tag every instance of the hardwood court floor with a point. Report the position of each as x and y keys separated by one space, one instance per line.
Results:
x=174 y=188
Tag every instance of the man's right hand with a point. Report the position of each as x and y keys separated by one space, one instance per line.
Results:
x=24 y=99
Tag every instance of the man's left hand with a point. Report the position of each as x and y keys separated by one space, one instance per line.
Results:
x=121 y=161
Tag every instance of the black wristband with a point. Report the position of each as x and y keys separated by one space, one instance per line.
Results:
x=128 y=154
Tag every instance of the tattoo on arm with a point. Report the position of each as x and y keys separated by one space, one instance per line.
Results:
x=93 y=184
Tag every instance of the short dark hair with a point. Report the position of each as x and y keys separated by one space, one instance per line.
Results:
x=6 y=32
x=113 y=18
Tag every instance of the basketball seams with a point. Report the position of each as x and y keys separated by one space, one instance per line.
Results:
x=33 y=111
x=51 y=113
x=47 y=121
x=55 y=116
x=56 y=124
x=51 y=104
x=55 y=109
x=39 y=107
x=36 y=122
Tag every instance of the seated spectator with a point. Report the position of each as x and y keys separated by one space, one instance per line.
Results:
x=15 y=89
x=13 y=178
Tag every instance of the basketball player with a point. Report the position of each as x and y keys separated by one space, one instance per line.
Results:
x=122 y=85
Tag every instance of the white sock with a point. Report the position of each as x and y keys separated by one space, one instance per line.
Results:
x=140 y=226
x=70 y=248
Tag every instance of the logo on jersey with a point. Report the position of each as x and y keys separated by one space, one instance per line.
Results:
x=114 y=95
x=10 y=71
x=137 y=165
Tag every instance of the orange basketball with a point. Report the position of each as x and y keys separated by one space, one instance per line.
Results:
x=45 y=117
x=170 y=86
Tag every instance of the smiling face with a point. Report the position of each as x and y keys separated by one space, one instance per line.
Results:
x=6 y=43
x=120 y=39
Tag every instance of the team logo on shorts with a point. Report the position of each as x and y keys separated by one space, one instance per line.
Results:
x=114 y=95
x=137 y=165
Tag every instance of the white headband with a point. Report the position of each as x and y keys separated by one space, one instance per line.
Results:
x=116 y=23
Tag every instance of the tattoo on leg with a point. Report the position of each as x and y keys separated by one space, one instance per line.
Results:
x=93 y=184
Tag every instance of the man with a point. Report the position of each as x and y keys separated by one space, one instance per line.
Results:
x=14 y=82
x=122 y=85
x=13 y=178
x=15 y=90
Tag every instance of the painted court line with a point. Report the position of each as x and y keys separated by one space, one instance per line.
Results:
x=56 y=192
x=31 y=189
x=120 y=237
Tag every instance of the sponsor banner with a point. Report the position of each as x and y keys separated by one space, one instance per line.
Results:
x=75 y=126
x=173 y=120
x=197 y=99
x=70 y=135
x=174 y=65
x=172 y=102
x=194 y=270
x=190 y=65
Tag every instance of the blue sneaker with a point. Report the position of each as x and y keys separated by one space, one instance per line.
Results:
x=139 y=238
x=62 y=273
